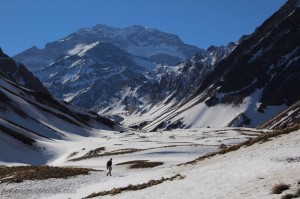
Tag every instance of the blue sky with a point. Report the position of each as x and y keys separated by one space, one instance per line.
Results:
x=24 y=23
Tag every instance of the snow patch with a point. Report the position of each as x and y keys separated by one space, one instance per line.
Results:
x=81 y=49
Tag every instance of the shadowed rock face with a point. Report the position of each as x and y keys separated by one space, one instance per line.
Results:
x=18 y=72
x=261 y=74
x=286 y=118
x=29 y=112
x=268 y=59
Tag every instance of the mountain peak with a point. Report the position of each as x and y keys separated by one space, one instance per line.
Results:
x=101 y=26
x=2 y=54
x=212 y=48
x=150 y=43
x=102 y=30
x=138 y=27
x=33 y=48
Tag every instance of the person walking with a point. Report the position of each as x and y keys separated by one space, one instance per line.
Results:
x=109 y=166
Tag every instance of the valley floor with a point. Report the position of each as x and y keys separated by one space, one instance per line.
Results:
x=249 y=172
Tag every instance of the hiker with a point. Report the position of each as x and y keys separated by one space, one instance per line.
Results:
x=109 y=166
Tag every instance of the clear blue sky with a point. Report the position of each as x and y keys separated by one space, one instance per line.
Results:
x=24 y=23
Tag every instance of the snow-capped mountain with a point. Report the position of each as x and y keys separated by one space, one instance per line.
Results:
x=29 y=116
x=93 y=66
x=165 y=84
x=104 y=69
x=156 y=46
x=257 y=80
x=90 y=74
x=254 y=83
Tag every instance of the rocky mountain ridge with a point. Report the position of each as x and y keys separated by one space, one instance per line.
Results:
x=29 y=116
x=149 y=43
x=242 y=84
x=256 y=81
x=91 y=67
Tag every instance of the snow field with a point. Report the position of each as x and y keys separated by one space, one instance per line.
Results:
x=169 y=147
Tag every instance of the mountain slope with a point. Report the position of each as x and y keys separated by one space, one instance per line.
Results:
x=288 y=117
x=254 y=83
x=30 y=118
x=250 y=171
x=89 y=74
x=18 y=72
x=163 y=88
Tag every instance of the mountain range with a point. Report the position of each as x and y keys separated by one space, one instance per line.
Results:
x=148 y=79
x=92 y=66
x=29 y=117
x=145 y=99
x=256 y=81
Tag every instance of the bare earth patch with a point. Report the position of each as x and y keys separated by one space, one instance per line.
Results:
x=132 y=162
x=18 y=174
x=73 y=154
x=118 y=152
x=279 y=188
x=140 y=164
x=137 y=187
x=95 y=151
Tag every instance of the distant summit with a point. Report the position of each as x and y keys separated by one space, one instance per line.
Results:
x=152 y=44
x=143 y=41
x=96 y=67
